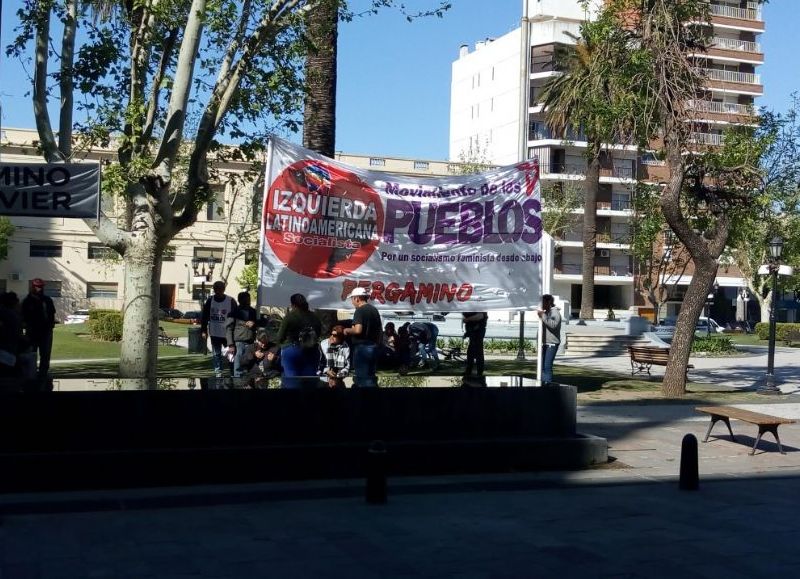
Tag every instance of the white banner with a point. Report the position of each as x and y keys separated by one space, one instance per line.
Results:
x=466 y=242
x=50 y=190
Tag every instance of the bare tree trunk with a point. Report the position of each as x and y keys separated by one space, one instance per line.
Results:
x=319 y=113
x=704 y=253
x=140 y=310
x=590 y=235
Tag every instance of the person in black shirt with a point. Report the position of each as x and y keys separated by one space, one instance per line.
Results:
x=366 y=337
x=39 y=318
x=475 y=332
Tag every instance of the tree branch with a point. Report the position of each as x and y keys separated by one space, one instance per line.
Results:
x=41 y=114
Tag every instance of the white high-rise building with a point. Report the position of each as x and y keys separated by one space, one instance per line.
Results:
x=496 y=116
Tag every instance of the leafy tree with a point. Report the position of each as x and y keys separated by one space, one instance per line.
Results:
x=656 y=255
x=776 y=208
x=162 y=82
x=705 y=192
x=6 y=231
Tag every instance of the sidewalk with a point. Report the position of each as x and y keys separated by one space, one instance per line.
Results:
x=625 y=520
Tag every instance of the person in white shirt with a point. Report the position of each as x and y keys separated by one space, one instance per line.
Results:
x=216 y=311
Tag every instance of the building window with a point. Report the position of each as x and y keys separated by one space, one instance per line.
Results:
x=52 y=288
x=250 y=256
x=376 y=162
x=45 y=248
x=421 y=165
x=106 y=291
x=169 y=253
x=215 y=210
x=101 y=251
x=208 y=254
x=2 y=286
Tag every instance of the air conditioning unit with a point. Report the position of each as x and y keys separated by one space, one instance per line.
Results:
x=605 y=253
x=15 y=276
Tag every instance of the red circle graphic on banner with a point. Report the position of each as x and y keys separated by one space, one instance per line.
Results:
x=322 y=221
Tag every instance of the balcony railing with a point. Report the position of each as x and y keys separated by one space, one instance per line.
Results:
x=575 y=269
x=539 y=131
x=734 y=44
x=706 y=139
x=722 y=108
x=618 y=237
x=619 y=171
x=731 y=76
x=731 y=12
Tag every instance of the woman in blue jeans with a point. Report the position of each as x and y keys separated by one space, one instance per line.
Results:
x=299 y=339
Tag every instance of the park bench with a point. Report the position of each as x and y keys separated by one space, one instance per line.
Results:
x=791 y=336
x=765 y=422
x=164 y=338
x=644 y=357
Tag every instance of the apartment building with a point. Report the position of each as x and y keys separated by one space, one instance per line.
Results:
x=81 y=272
x=496 y=108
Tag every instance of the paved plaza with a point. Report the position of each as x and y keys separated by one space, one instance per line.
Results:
x=624 y=519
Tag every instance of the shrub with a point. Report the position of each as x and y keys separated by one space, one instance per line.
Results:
x=781 y=329
x=105 y=325
x=713 y=345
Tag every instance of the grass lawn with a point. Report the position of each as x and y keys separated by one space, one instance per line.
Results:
x=72 y=342
x=594 y=386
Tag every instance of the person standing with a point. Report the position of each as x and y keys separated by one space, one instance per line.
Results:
x=366 y=334
x=39 y=319
x=298 y=337
x=241 y=331
x=216 y=311
x=475 y=332
x=551 y=324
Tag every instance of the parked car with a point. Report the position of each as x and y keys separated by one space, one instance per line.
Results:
x=169 y=314
x=193 y=316
x=77 y=317
x=666 y=328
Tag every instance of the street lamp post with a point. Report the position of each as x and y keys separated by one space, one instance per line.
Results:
x=199 y=267
x=775 y=250
x=709 y=303
x=521 y=348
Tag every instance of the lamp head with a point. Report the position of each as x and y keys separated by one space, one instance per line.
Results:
x=775 y=248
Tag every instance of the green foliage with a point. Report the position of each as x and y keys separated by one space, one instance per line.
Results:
x=248 y=278
x=713 y=345
x=6 y=231
x=105 y=325
x=781 y=329
x=559 y=200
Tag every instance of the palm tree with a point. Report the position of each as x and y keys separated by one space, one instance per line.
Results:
x=592 y=97
x=319 y=108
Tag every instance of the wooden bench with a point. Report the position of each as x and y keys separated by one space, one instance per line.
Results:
x=765 y=422
x=791 y=336
x=644 y=357
x=164 y=338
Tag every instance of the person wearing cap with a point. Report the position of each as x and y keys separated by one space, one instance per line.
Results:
x=39 y=319
x=366 y=336
x=213 y=323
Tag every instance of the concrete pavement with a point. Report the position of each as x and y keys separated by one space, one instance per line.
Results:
x=625 y=519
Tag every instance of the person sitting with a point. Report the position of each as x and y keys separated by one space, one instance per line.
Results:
x=335 y=359
x=402 y=345
x=261 y=361
x=387 y=357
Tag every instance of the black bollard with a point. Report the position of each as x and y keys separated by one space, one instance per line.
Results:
x=689 y=477
x=376 y=473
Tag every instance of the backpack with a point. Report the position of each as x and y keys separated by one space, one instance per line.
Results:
x=307 y=337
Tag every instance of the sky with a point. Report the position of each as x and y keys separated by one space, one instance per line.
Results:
x=394 y=76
